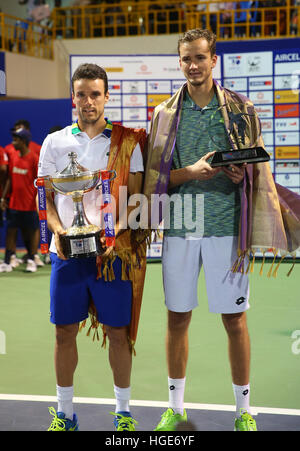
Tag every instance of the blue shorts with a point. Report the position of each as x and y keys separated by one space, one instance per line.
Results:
x=74 y=282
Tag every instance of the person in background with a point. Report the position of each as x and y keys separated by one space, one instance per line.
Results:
x=23 y=123
x=3 y=175
x=10 y=151
x=22 y=214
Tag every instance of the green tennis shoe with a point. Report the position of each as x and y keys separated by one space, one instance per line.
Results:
x=61 y=423
x=245 y=423
x=123 y=421
x=169 y=420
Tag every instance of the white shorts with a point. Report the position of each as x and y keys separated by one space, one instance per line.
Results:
x=182 y=259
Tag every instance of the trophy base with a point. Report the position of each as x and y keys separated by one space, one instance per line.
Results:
x=249 y=155
x=82 y=245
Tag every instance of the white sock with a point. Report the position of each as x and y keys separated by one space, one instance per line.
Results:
x=176 y=394
x=242 y=398
x=122 y=398
x=65 y=400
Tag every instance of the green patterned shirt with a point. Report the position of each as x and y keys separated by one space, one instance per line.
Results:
x=218 y=198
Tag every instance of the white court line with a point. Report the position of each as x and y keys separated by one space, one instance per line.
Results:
x=144 y=403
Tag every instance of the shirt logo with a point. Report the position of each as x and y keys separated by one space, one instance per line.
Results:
x=20 y=171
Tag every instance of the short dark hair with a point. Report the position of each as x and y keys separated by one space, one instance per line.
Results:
x=90 y=72
x=22 y=122
x=199 y=33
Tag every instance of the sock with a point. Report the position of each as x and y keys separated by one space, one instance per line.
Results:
x=242 y=398
x=8 y=254
x=65 y=400
x=122 y=398
x=176 y=394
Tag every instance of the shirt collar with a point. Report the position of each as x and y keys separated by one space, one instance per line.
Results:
x=189 y=104
x=106 y=132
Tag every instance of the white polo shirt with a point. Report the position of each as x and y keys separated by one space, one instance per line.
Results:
x=91 y=154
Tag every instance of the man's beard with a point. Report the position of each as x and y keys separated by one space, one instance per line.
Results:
x=86 y=120
x=196 y=83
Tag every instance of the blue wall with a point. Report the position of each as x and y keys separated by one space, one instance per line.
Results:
x=42 y=115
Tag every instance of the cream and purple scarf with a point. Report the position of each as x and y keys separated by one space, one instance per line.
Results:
x=270 y=213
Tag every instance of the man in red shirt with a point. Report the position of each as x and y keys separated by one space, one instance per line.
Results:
x=10 y=151
x=35 y=147
x=3 y=172
x=22 y=214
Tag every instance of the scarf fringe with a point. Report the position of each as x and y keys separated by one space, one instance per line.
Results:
x=293 y=265
x=95 y=325
x=238 y=265
x=130 y=261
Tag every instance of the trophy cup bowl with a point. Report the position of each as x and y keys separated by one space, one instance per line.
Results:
x=82 y=239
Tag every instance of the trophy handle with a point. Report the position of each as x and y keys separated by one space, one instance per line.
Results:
x=37 y=182
x=112 y=178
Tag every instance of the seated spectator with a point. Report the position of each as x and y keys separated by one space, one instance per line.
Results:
x=240 y=18
x=271 y=16
x=213 y=7
x=156 y=20
x=58 y=20
x=173 y=17
x=295 y=18
x=226 y=18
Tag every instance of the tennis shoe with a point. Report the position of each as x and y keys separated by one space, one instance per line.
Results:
x=245 y=422
x=14 y=261
x=5 y=267
x=38 y=261
x=123 y=421
x=61 y=423
x=169 y=420
x=31 y=266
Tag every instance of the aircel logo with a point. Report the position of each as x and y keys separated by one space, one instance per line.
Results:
x=284 y=57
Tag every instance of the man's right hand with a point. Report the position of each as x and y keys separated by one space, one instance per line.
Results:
x=201 y=170
x=57 y=235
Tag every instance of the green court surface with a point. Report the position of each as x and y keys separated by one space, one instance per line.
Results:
x=27 y=340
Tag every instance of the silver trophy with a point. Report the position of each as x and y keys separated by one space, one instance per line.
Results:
x=242 y=127
x=82 y=239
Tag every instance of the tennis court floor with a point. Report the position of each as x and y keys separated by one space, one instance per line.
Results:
x=26 y=358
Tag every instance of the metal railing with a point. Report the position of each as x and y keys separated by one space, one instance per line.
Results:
x=26 y=37
x=155 y=17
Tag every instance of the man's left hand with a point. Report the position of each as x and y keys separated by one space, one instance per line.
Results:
x=235 y=173
x=108 y=250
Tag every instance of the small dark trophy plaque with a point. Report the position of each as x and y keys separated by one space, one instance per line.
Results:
x=239 y=126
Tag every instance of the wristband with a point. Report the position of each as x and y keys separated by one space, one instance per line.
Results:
x=107 y=214
x=40 y=184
